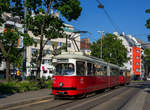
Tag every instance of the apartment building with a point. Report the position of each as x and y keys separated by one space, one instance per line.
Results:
x=135 y=52
x=85 y=46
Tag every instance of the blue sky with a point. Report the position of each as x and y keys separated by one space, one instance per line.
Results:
x=128 y=15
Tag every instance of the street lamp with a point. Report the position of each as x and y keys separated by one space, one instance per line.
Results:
x=100 y=4
x=101 y=33
x=25 y=31
x=73 y=37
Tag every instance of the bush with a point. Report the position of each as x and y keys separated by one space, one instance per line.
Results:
x=30 y=78
x=16 y=87
x=12 y=87
x=8 y=87
x=48 y=83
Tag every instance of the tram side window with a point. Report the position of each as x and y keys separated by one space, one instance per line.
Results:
x=100 y=70
x=89 y=69
x=80 y=68
x=114 y=72
x=94 y=69
x=121 y=73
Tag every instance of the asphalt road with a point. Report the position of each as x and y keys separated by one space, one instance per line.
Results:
x=135 y=96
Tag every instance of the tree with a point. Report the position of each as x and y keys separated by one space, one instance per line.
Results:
x=147 y=59
x=9 y=38
x=148 y=21
x=45 y=24
x=112 y=50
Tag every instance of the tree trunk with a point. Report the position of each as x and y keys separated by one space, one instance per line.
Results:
x=40 y=58
x=7 y=69
x=41 y=44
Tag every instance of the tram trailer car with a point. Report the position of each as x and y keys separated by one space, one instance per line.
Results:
x=124 y=76
x=79 y=74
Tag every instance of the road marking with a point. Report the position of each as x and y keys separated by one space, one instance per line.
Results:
x=25 y=105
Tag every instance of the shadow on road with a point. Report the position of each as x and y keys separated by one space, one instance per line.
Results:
x=144 y=85
x=5 y=95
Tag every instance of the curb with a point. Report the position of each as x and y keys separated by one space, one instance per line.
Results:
x=27 y=101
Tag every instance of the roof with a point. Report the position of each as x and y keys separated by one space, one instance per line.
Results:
x=143 y=44
x=130 y=41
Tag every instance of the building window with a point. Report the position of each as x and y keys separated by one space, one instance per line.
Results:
x=33 y=51
x=137 y=70
x=137 y=51
x=46 y=61
x=47 y=51
x=36 y=40
x=59 y=43
x=137 y=63
x=69 y=44
x=137 y=57
x=48 y=43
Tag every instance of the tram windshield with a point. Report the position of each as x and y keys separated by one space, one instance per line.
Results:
x=65 y=69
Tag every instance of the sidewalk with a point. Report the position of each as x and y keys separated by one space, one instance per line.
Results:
x=22 y=98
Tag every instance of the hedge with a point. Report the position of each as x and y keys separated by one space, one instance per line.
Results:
x=12 y=87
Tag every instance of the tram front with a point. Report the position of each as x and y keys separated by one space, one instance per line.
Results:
x=64 y=81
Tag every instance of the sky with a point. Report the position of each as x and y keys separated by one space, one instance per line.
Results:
x=128 y=16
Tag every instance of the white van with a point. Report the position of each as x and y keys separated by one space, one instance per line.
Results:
x=47 y=71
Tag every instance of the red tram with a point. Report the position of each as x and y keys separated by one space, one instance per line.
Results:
x=79 y=74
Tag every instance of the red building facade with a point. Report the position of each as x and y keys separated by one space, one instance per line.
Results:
x=136 y=55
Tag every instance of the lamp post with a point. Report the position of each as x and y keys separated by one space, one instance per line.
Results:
x=25 y=30
x=101 y=33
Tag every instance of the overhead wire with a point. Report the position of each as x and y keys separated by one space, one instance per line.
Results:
x=115 y=26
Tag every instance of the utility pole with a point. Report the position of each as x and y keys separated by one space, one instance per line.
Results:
x=101 y=33
x=66 y=43
x=25 y=31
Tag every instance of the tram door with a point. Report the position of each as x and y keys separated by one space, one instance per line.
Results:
x=108 y=76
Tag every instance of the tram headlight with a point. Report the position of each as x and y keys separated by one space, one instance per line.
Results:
x=60 y=84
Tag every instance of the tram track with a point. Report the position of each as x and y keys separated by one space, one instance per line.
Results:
x=90 y=102
x=115 y=103
x=52 y=104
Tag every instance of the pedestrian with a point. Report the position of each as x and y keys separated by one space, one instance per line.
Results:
x=18 y=75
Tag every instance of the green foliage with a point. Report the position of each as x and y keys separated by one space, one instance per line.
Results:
x=15 y=7
x=112 y=50
x=12 y=87
x=147 y=21
x=147 y=56
x=147 y=11
x=9 y=39
x=70 y=9
x=48 y=84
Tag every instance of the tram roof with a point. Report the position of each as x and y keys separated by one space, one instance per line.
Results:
x=124 y=69
x=82 y=56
